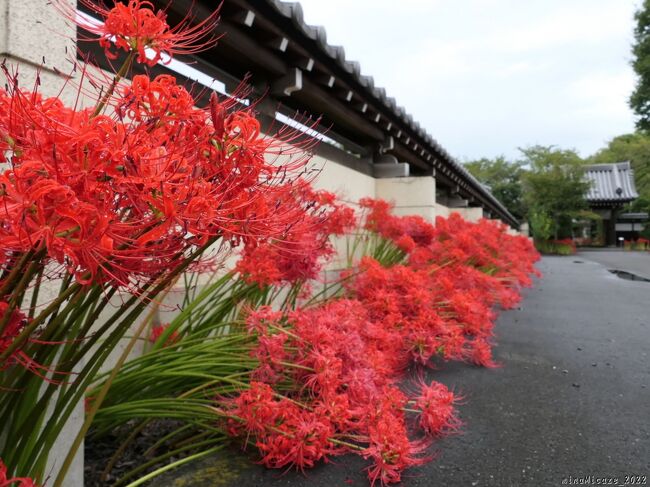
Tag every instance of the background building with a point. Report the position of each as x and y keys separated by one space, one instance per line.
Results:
x=612 y=187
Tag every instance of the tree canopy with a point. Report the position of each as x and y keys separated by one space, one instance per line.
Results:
x=640 y=98
x=546 y=186
x=554 y=189
x=504 y=179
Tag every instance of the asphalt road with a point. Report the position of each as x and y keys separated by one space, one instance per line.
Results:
x=572 y=398
x=635 y=262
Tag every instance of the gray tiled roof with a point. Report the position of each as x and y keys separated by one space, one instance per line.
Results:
x=611 y=182
x=294 y=12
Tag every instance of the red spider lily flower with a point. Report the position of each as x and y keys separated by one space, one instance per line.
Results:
x=380 y=220
x=303 y=249
x=285 y=434
x=11 y=330
x=480 y=353
x=8 y=335
x=137 y=26
x=389 y=448
x=158 y=330
x=302 y=438
x=438 y=415
x=271 y=353
x=259 y=319
x=337 y=409
x=257 y=407
x=5 y=481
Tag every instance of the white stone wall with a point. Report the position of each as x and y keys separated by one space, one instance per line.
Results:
x=34 y=38
x=348 y=184
x=442 y=210
x=411 y=195
x=472 y=214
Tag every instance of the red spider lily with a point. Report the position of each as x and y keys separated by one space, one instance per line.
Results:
x=137 y=26
x=158 y=330
x=122 y=199
x=480 y=353
x=302 y=439
x=286 y=434
x=8 y=335
x=389 y=448
x=257 y=407
x=299 y=254
x=5 y=481
x=380 y=220
x=271 y=354
x=12 y=328
x=259 y=319
x=438 y=415
x=116 y=201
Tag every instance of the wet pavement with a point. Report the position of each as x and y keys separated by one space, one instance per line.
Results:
x=571 y=400
x=636 y=262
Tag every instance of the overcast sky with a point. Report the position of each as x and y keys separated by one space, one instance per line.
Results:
x=484 y=77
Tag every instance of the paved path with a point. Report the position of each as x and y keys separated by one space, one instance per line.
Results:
x=636 y=262
x=572 y=397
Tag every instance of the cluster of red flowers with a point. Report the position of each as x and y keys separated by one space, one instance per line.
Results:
x=115 y=200
x=5 y=481
x=304 y=247
x=408 y=232
x=123 y=193
x=328 y=375
x=638 y=244
x=566 y=243
x=345 y=388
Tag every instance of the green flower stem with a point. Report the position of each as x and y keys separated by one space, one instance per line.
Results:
x=175 y=464
x=166 y=455
x=95 y=405
x=124 y=69
x=128 y=320
x=17 y=293
x=29 y=329
x=67 y=401
x=149 y=451
x=35 y=292
x=346 y=444
x=16 y=273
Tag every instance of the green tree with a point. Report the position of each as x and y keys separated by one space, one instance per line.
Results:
x=554 y=189
x=504 y=179
x=636 y=149
x=640 y=99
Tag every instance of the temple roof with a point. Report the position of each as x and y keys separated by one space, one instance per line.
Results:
x=611 y=183
x=292 y=65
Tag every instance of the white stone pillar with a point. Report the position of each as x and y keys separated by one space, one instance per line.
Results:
x=442 y=210
x=411 y=195
x=472 y=214
x=36 y=39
